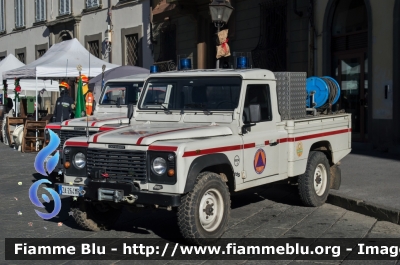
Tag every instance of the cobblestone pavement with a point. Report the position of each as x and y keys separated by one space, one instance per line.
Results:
x=266 y=212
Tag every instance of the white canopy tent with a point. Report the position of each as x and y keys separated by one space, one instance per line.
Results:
x=28 y=86
x=59 y=62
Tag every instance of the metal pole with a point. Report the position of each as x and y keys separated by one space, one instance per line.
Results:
x=16 y=106
x=36 y=100
x=36 y=108
x=219 y=27
x=89 y=67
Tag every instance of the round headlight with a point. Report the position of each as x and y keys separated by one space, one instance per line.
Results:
x=80 y=160
x=159 y=166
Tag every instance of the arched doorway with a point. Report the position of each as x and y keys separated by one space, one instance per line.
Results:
x=64 y=35
x=348 y=29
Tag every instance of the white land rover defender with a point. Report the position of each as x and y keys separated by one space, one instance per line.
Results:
x=110 y=112
x=206 y=134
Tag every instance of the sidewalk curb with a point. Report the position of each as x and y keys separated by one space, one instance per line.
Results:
x=380 y=212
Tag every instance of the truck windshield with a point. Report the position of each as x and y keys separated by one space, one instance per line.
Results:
x=201 y=93
x=125 y=93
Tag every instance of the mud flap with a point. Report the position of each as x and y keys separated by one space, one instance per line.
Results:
x=336 y=177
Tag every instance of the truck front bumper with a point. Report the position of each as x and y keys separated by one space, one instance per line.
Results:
x=103 y=191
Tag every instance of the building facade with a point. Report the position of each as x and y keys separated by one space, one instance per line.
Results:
x=354 y=41
x=113 y=30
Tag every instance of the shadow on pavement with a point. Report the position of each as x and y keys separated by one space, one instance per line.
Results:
x=163 y=223
x=51 y=177
x=367 y=150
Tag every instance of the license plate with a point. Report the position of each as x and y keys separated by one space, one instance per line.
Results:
x=70 y=190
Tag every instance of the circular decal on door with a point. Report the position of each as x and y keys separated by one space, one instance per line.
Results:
x=299 y=149
x=260 y=160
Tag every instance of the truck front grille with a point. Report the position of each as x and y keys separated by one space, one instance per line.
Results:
x=125 y=164
x=67 y=134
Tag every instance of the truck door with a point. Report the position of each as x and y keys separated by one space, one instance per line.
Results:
x=260 y=139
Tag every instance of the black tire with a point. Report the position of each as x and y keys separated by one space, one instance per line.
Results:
x=94 y=216
x=208 y=188
x=311 y=193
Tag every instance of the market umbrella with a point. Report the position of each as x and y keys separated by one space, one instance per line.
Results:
x=95 y=84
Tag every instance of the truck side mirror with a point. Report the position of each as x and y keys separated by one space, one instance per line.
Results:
x=130 y=112
x=255 y=113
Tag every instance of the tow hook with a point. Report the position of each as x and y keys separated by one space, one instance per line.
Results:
x=130 y=199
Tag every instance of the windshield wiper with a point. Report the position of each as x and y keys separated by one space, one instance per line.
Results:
x=195 y=106
x=160 y=104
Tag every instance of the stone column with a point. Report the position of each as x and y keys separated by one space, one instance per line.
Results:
x=76 y=30
x=201 y=43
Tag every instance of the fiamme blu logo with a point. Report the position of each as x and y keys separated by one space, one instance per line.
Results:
x=42 y=158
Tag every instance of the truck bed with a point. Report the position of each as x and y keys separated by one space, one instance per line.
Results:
x=330 y=133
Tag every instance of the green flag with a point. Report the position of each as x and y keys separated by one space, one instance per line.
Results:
x=80 y=101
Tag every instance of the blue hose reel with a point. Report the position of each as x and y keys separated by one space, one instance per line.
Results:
x=325 y=90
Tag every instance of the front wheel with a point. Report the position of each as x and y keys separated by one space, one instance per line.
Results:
x=204 y=212
x=94 y=216
x=315 y=182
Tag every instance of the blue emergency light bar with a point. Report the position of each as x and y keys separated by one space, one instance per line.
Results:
x=185 y=64
x=153 y=69
x=241 y=62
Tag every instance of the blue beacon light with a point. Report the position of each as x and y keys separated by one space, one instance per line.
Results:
x=186 y=64
x=154 y=69
x=241 y=62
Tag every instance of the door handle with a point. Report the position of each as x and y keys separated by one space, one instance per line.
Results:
x=273 y=144
x=386 y=91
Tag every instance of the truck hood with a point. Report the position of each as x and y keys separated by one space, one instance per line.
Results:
x=97 y=120
x=146 y=134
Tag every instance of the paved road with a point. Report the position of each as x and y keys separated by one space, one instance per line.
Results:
x=267 y=212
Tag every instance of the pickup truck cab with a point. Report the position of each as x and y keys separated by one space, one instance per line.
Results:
x=110 y=113
x=205 y=134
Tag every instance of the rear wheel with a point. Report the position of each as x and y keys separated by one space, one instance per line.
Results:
x=204 y=212
x=94 y=216
x=315 y=182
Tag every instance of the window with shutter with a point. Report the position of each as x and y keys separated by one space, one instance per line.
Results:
x=16 y=13
x=43 y=10
x=94 y=48
x=65 y=7
x=21 y=57
x=132 y=49
x=19 y=13
x=92 y=3
x=68 y=6
x=40 y=10
x=40 y=53
x=2 y=21
x=22 y=13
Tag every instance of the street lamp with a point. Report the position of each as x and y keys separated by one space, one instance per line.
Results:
x=220 y=11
